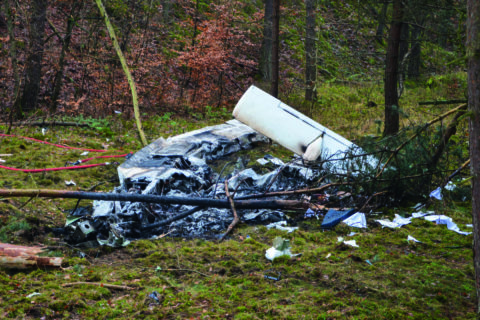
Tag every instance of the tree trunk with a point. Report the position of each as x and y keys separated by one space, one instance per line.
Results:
x=275 y=48
x=33 y=68
x=267 y=41
x=58 y=82
x=392 y=122
x=8 y=9
x=415 y=52
x=381 y=23
x=310 y=51
x=473 y=56
x=404 y=42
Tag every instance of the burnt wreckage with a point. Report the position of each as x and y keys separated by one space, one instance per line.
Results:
x=193 y=165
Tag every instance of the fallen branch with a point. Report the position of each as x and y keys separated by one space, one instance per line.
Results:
x=235 y=215
x=216 y=203
x=21 y=257
x=293 y=192
x=98 y=284
x=449 y=132
x=437 y=102
x=184 y=270
x=50 y=124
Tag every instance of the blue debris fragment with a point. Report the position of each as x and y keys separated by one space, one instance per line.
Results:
x=334 y=217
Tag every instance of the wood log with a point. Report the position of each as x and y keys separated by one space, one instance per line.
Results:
x=21 y=257
x=203 y=202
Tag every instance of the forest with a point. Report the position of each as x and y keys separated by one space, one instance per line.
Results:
x=87 y=88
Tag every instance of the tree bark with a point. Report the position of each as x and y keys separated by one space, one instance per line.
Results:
x=310 y=51
x=126 y=70
x=415 y=54
x=392 y=121
x=215 y=203
x=58 y=82
x=381 y=23
x=473 y=74
x=9 y=13
x=267 y=41
x=33 y=68
x=275 y=48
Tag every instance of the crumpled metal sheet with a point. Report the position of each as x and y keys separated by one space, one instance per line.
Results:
x=181 y=166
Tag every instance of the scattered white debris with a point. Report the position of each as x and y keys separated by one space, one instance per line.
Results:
x=410 y=238
x=450 y=186
x=437 y=194
x=328 y=256
x=442 y=219
x=357 y=220
x=84 y=153
x=281 y=225
x=33 y=294
x=398 y=222
x=352 y=243
x=70 y=183
x=281 y=247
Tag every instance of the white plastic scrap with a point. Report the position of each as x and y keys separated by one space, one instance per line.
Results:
x=281 y=247
x=84 y=153
x=437 y=193
x=352 y=243
x=410 y=238
x=398 y=222
x=441 y=219
x=281 y=225
x=310 y=214
x=450 y=186
x=357 y=220
x=70 y=183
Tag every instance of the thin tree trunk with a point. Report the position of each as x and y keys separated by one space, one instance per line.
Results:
x=123 y=61
x=13 y=56
x=415 y=54
x=473 y=73
x=267 y=41
x=57 y=87
x=33 y=68
x=392 y=121
x=310 y=51
x=275 y=48
x=381 y=23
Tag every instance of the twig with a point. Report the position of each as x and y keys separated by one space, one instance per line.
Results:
x=51 y=123
x=186 y=270
x=370 y=198
x=98 y=284
x=437 y=102
x=235 y=215
x=292 y=192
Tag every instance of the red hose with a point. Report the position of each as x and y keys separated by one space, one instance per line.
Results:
x=65 y=147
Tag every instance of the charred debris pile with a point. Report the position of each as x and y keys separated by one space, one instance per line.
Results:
x=327 y=172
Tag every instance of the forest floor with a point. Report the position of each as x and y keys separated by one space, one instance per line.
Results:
x=386 y=277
